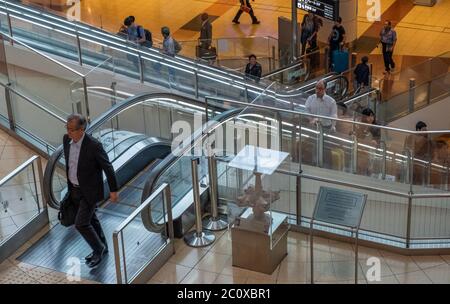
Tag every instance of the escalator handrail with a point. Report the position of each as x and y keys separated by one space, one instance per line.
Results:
x=171 y=159
x=124 y=47
x=98 y=122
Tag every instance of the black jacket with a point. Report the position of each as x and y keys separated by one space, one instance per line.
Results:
x=362 y=72
x=254 y=71
x=92 y=161
x=206 y=34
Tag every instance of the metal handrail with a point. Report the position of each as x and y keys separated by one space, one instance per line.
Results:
x=98 y=122
x=43 y=55
x=36 y=104
x=327 y=117
x=164 y=188
x=18 y=170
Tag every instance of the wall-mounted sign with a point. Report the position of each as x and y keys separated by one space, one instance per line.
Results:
x=328 y=9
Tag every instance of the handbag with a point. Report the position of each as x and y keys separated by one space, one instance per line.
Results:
x=67 y=211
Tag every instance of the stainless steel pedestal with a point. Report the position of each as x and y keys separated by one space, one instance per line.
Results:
x=201 y=239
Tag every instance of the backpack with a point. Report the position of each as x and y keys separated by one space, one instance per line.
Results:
x=177 y=46
x=148 y=36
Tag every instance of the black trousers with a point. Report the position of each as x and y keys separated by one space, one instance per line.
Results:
x=387 y=57
x=252 y=14
x=87 y=223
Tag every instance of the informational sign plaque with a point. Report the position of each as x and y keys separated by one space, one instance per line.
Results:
x=339 y=207
x=328 y=9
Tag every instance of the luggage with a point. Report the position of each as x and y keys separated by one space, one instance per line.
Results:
x=339 y=61
x=207 y=54
x=337 y=159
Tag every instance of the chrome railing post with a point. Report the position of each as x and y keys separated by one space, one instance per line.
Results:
x=196 y=83
x=80 y=56
x=168 y=202
x=354 y=154
x=273 y=57
x=9 y=107
x=410 y=165
x=124 y=258
x=36 y=187
x=446 y=188
x=41 y=182
x=86 y=100
x=320 y=145
x=298 y=181
x=117 y=257
x=428 y=173
x=141 y=67
x=197 y=238
x=412 y=93
x=383 y=159
x=214 y=223
x=8 y=17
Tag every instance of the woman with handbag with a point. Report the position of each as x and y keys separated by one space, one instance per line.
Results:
x=245 y=7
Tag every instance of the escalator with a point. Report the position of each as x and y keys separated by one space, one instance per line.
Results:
x=79 y=43
x=134 y=133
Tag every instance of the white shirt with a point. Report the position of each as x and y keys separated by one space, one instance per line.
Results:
x=74 y=155
x=325 y=106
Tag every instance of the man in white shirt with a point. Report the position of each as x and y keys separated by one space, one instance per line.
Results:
x=322 y=104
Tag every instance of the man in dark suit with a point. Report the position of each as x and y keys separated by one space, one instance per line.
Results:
x=205 y=32
x=245 y=6
x=85 y=161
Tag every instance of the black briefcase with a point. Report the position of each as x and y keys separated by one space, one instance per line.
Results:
x=67 y=211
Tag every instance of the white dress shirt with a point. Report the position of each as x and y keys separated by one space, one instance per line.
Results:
x=325 y=106
x=74 y=154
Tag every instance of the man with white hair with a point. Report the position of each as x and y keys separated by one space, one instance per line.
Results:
x=324 y=105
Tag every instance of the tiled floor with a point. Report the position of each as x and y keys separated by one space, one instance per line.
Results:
x=334 y=264
x=424 y=31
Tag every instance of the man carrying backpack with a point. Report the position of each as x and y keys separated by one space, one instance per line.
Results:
x=171 y=47
x=137 y=33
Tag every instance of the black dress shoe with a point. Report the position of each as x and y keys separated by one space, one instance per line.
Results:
x=236 y=22
x=96 y=258
x=89 y=257
x=256 y=22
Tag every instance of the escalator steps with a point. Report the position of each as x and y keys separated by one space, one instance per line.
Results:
x=60 y=245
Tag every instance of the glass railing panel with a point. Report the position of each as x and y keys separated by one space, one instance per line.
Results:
x=42 y=37
x=137 y=246
x=439 y=87
x=421 y=96
x=100 y=85
x=21 y=198
x=430 y=219
x=211 y=85
x=38 y=122
x=52 y=88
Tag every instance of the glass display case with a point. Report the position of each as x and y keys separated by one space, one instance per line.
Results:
x=259 y=234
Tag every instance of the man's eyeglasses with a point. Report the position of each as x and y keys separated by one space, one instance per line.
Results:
x=72 y=129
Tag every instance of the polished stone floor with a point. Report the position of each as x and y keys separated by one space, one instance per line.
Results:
x=334 y=264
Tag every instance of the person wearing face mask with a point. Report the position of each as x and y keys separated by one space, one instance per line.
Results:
x=388 y=39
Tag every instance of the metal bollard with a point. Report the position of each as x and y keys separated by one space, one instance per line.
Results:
x=214 y=222
x=197 y=238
